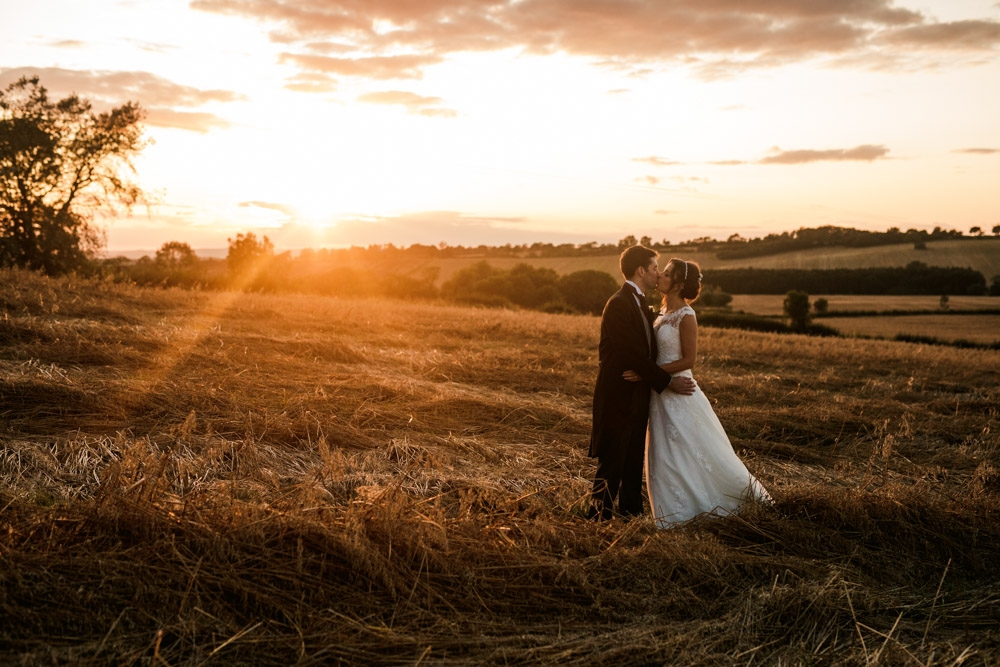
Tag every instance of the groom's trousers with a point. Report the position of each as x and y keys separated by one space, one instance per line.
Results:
x=619 y=474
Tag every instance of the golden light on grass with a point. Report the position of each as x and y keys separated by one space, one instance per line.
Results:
x=241 y=477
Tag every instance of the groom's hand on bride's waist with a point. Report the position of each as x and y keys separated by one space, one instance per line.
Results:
x=682 y=385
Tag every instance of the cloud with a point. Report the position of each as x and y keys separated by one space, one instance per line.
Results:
x=378 y=67
x=281 y=208
x=974 y=35
x=663 y=211
x=118 y=86
x=655 y=161
x=193 y=121
x=389 y=38
x=311 y=82
x=863 y=153
x=68 y=44
x=648 y=180
x=208 y=236
x=153 y=47
x=978 y=151
x=866 y=153
x=432 y=227
x=415 y=104
x=155 y=94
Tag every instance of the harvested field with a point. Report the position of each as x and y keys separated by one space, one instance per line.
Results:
x=188 y=478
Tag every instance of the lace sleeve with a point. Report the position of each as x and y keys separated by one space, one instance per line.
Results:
x=674 y=318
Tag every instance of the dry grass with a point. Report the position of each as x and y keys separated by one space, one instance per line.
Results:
x=189 y=478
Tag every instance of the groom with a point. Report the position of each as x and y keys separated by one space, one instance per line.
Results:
x=621 y=408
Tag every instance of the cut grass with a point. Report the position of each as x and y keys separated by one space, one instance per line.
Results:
x=264 y=479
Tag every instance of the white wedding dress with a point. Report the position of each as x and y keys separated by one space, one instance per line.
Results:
x=691 y=467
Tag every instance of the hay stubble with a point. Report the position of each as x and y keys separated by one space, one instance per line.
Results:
x=189 y=477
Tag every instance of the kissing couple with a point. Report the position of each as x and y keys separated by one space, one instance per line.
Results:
x=650 y=413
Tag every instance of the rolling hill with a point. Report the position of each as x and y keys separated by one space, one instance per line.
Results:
x=983 y=255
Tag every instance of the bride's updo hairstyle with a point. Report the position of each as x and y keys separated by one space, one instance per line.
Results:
x=688 y=276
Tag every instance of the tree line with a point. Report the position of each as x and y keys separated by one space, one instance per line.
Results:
x=916 y=278
x=252 y=265
x=737 y=247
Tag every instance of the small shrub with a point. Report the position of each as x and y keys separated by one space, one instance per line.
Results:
x=712 y=296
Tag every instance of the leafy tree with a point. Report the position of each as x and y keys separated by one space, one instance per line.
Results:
x=821 y=305
x=523 y=285
x=996 y=230
x=587 y=291
x=712 y=296
x=627 y=242
x=796 y=308
x=995 y=286
x=478 y=283
x=419 y=285
x=976 y=231
x=59 y=164
x=533 y=287
x=248 y=255
x=176 y=255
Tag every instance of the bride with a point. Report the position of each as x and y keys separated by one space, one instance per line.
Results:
x=691 y=467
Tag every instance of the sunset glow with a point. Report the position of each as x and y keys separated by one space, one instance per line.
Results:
x=334 y=123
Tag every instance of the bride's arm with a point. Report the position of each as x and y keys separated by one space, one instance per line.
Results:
x=689 y=349
x=689 y=346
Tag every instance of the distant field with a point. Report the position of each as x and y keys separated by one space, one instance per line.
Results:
x=771 y=304
x=975 y=328
x=983 y=255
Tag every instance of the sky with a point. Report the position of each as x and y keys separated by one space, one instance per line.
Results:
x=466 y=122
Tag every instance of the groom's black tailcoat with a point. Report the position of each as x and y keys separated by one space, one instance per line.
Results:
x=621 y=408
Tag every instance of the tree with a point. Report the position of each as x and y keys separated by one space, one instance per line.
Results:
x=176 y=255
x=60 y=163
x=821 y=306
x=976 y=231
x=247 y=254
x=796 y=308
x=588 y=290
x=627 y=242
x=996 y=230
x=712 y=296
